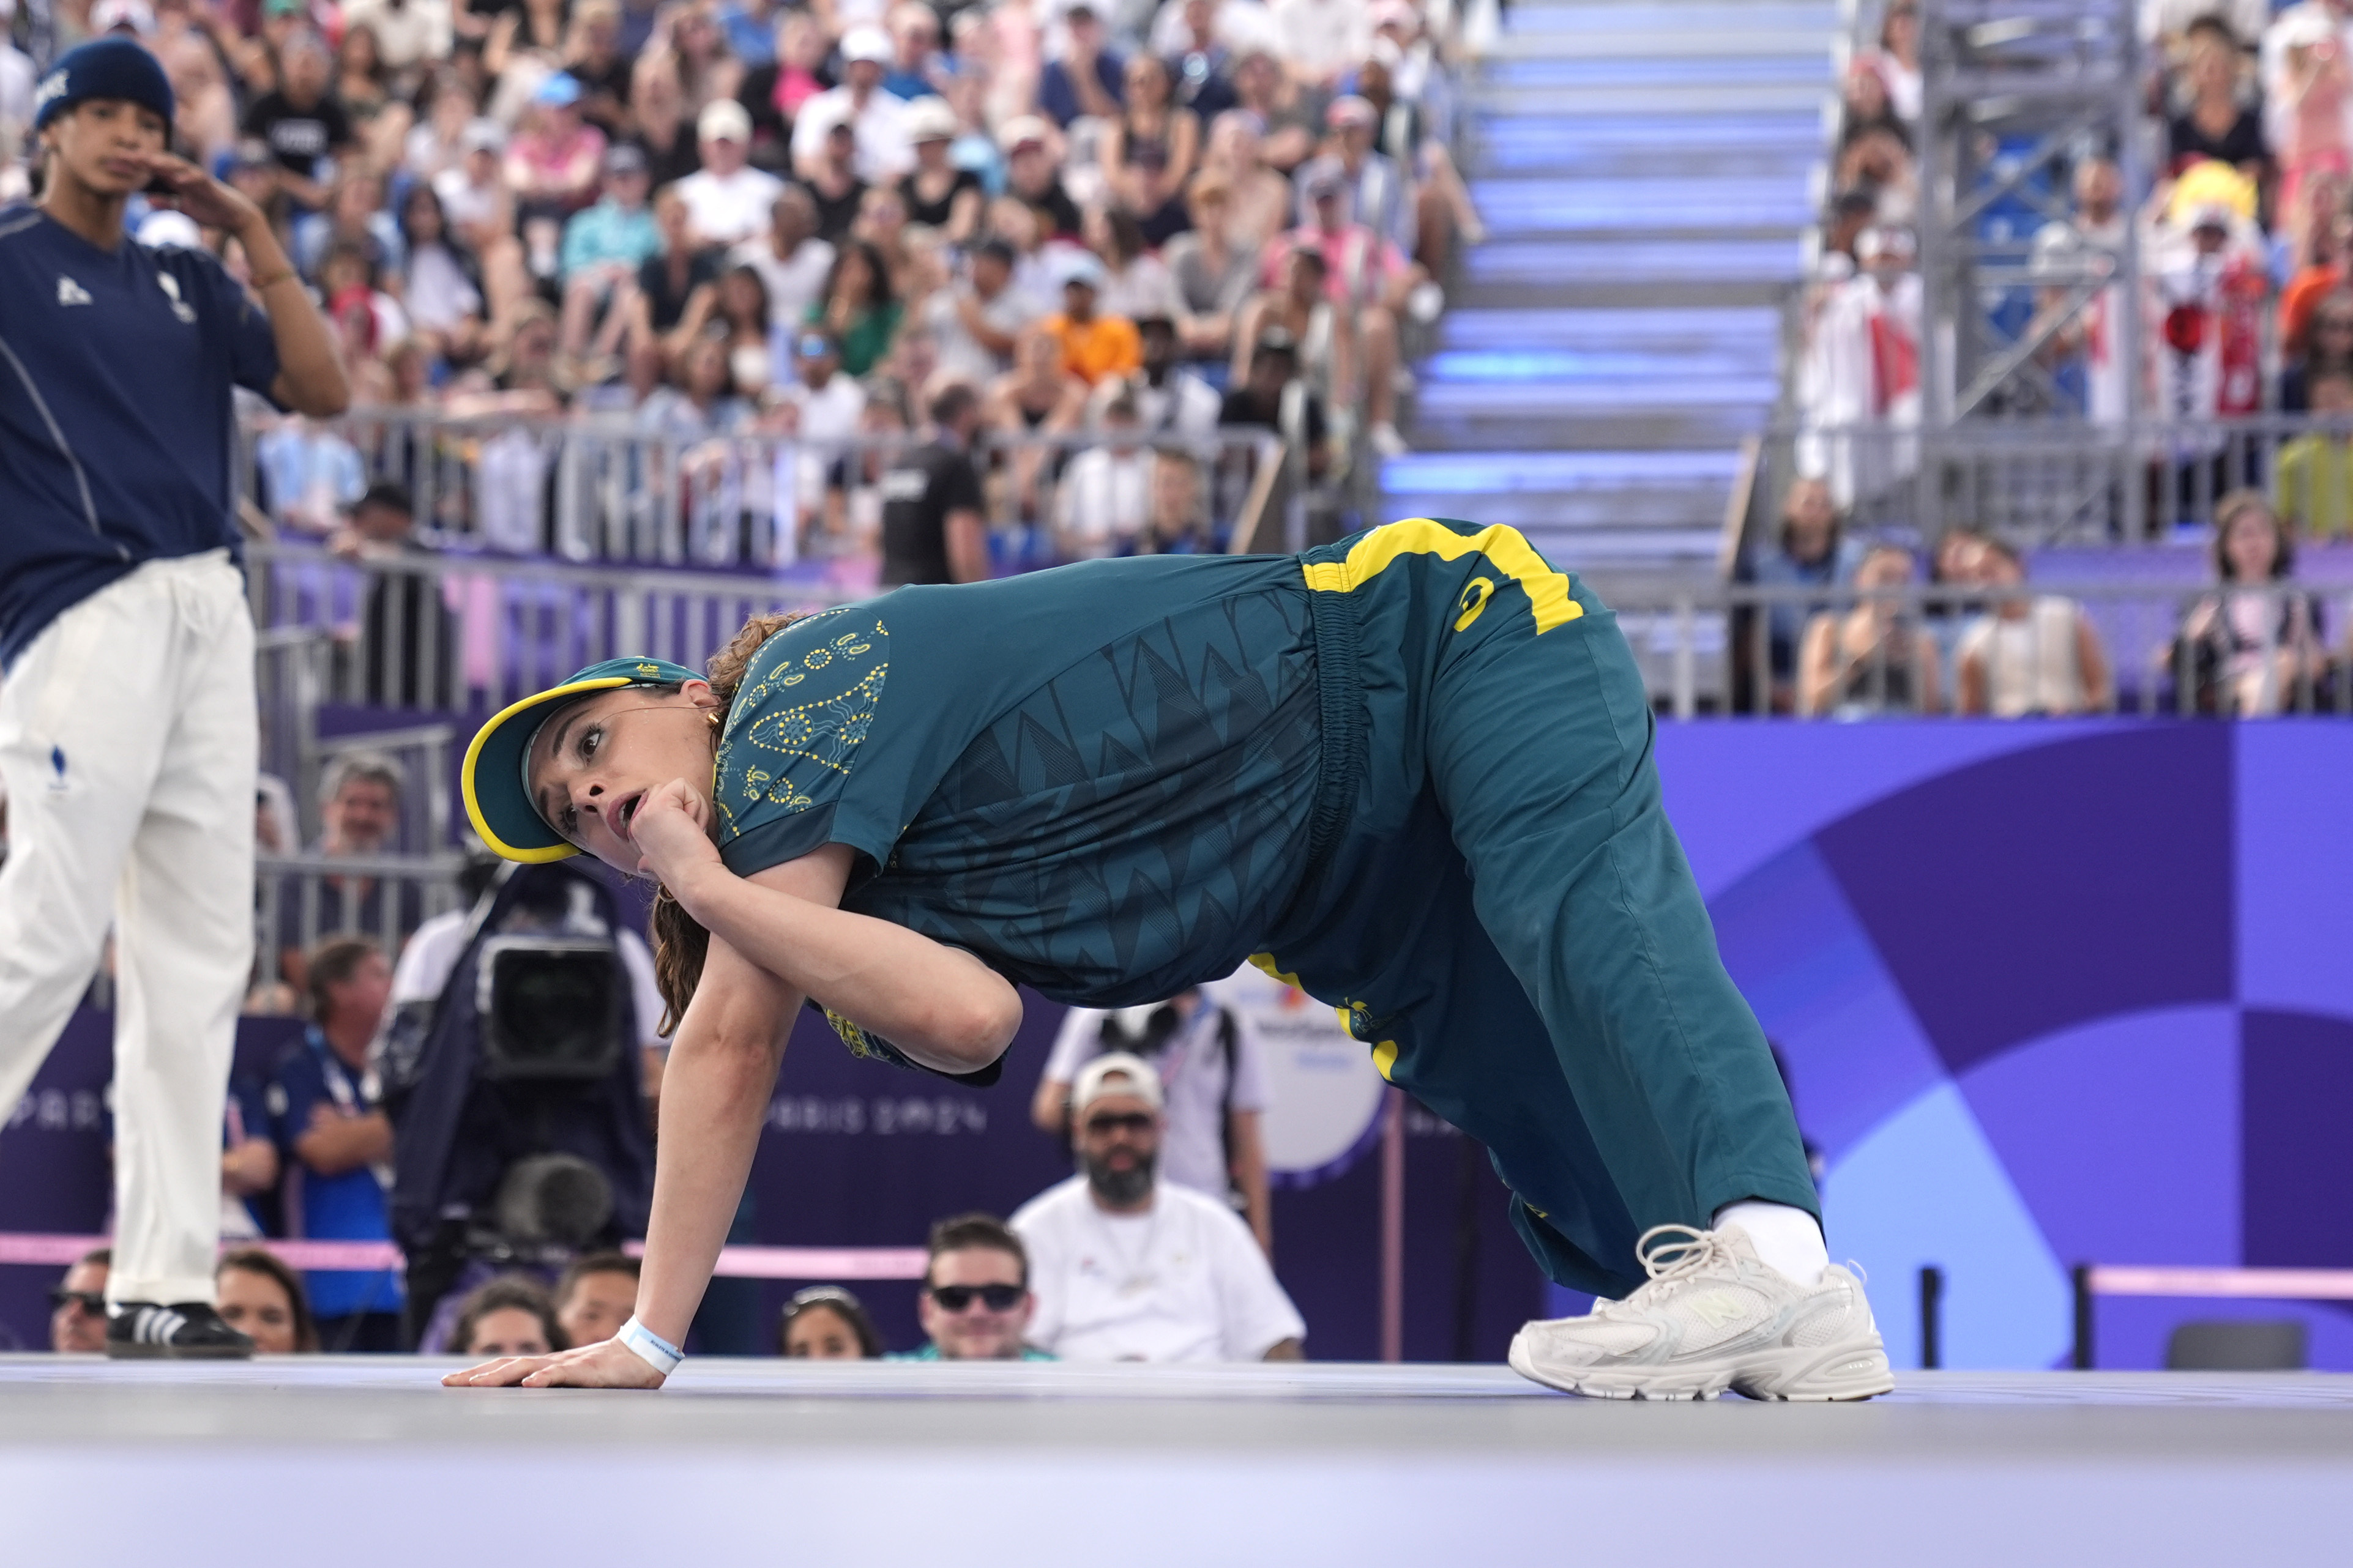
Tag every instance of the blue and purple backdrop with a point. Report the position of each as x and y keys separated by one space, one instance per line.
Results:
x=2047 y=993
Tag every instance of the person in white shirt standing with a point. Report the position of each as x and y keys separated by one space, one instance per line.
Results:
x=1126 y=1267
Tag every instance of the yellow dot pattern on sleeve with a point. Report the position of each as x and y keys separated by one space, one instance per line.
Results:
x=807 y=709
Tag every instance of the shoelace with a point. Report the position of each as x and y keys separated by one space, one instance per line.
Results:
x=1671 y=1254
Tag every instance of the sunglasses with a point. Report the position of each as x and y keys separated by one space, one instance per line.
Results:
x=90 y=1302
x=995 y=1298
x=1132 y=1122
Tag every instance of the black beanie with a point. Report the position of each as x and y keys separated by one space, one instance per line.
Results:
x=103 y=67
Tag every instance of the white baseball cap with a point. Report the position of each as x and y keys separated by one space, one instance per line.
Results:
x=868 y=43
x=930 y=120
x=723 y=119
x=1115 y=1073
x=135 y=14
x=1023 y=129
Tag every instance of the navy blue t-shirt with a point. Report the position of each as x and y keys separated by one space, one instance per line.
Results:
x=116 y=429
x=346 y=1207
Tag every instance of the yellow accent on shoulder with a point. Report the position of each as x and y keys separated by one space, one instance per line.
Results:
x=1385 y=1057
x=1547 y=590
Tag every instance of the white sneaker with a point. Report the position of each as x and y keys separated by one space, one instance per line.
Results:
x=1714 y=1316
x=1384 y=439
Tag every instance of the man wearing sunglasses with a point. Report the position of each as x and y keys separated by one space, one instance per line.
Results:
x=975 y=1304
x=77 y=1306
x=1130 y=1268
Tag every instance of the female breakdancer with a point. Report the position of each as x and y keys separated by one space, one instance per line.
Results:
x=1409 y=771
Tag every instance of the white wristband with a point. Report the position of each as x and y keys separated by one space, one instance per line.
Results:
x=650 y=1347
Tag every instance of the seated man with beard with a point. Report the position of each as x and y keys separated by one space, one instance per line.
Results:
x=1126 y=1267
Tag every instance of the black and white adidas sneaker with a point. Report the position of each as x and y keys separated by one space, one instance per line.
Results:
x=189 y=1331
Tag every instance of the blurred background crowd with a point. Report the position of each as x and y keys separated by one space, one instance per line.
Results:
x=1114 y=221
x=2208 y=364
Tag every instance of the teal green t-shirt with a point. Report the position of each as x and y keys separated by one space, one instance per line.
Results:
x=931 y=1352
x=1098 y=779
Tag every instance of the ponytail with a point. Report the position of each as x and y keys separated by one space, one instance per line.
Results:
x=679 y=944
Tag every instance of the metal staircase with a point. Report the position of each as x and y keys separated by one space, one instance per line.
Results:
x=1644 y=175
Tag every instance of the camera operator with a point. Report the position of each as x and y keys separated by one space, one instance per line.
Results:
x=1212 y=1072
x=418 y=980
x=516 y=1066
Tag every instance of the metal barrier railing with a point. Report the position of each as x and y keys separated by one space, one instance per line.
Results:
x=2063 y=482
x=592 y=489
x=302 y=899
x=2141 y=647
x=452 y=633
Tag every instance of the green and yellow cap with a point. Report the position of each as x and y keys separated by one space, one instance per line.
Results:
x=498 y=793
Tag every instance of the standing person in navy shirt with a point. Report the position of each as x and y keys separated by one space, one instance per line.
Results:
x=127 y=716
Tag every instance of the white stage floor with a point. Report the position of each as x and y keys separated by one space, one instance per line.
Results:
x=355 y=1461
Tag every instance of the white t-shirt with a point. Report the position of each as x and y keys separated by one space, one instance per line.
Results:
x=1321 y=35
x=464 y=203
x=881 y=128
x=1105 y=500
x=1182 y=1281
x=2029 y=663
x=793 y=285
x=426 y=963
x=962 y=355
x=1193 y=1082
x=724 y=208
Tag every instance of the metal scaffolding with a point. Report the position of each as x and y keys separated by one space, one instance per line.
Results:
x=2015 y=94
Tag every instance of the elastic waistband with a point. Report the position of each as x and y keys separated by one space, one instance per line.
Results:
x=1342 y=694
x=197 y=565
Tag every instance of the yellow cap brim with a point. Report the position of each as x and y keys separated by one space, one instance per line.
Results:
x=492 y=781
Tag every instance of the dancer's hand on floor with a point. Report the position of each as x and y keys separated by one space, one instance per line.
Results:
x=606 y=1364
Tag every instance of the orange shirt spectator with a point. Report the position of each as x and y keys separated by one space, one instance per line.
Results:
x=1093 y=346
x=2298 y=301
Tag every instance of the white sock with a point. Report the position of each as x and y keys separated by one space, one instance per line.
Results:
x=1787 y=1238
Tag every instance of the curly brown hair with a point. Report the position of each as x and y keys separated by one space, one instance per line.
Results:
x=679 y=942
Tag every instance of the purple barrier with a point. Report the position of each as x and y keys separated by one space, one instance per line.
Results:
x=857 y=1154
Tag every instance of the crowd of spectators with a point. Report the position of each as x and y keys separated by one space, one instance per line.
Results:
x=2240 y=232
x=707 y=219
x=1158 y=1247
x=1850 y=629
x=2245 y=314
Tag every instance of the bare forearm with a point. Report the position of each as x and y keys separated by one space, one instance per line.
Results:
x=310 y=372
x=967 y=547
x=714 y=1097
x=1249 y=1177
x=337 y=1144
x=941 y=1006
x=251 y=1167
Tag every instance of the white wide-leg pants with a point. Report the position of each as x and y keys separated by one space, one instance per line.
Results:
x=129 y=744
